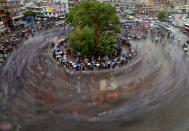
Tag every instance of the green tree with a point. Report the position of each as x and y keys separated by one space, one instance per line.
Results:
x=161 y=15
x=97 y=17
x=29 y=13
x=108 y=44
x=172 y=12
x=83 y=41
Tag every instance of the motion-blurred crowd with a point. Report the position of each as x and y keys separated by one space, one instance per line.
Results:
x=75 y=61
x=13 y=41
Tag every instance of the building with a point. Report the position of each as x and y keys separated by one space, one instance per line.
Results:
x=182 y=9
x=128 y=6
x=44 y=9
x=179 y=2
x=135 y=6
x=107 y=1
x=72 y=3
x=35 y=7
x=165 y=5
x=54 y=8
x=53 y=11
x=13 y=12
x=3 y=18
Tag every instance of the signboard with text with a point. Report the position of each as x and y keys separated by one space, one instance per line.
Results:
x=50 y=9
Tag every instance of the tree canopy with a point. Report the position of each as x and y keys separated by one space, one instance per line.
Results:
x=96 y=21
x=83 y=41
x=161 y=15
x=172 y=12
x=29 y=13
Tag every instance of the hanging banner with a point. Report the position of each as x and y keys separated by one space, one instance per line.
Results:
x=16 y=17
x=50 y=9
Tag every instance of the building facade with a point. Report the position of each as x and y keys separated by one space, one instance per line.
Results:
x=13 y=12
x=35 y=7
x=47 y=9
x=53 y=11
x=3 y=18
x=72 y=3
x=128 y=6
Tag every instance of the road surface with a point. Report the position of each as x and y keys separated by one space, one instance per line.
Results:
x=149 y=93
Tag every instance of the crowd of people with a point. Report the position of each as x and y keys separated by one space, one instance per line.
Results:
x=165 y=37
x=7 y=46
x=159 y=34
x=4 y=33
x=75 y=61
x=135 y=32
x=65 y=56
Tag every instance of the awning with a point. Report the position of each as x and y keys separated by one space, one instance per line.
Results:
x=31 y=22
x=62 y=17
x=59 y=11
x=20 y=23
x=17 y=17
x=62 y=21
x=28 y=17
x=23 y=22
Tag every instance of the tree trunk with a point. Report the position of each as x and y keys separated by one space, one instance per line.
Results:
x=97 y=34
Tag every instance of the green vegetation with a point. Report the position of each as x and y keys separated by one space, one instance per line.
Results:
x=95 y=25
x=29 y=13
x=83 y=41
x=161 y=15
x=172 y=12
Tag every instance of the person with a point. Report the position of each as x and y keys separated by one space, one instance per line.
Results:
x=187 y=42
x=185 y=45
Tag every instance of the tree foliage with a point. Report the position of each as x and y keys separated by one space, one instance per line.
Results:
x=172 y=12
x=161 y=15
x=83 y=41
x=98 y=18
x=29 y=13
x=108 y=44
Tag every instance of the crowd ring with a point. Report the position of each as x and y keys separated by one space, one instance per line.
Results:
x=13 y=41
x=75 y=61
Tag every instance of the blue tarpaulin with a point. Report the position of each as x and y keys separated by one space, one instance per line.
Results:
x=30 y=22
x=28 y=17
x=22 y=23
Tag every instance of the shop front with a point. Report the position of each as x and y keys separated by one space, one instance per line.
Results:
x=3 y=29
x=17 y=20
x=30 y=21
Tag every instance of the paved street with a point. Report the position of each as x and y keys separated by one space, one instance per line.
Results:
x=69 y=65
x=35 y=87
